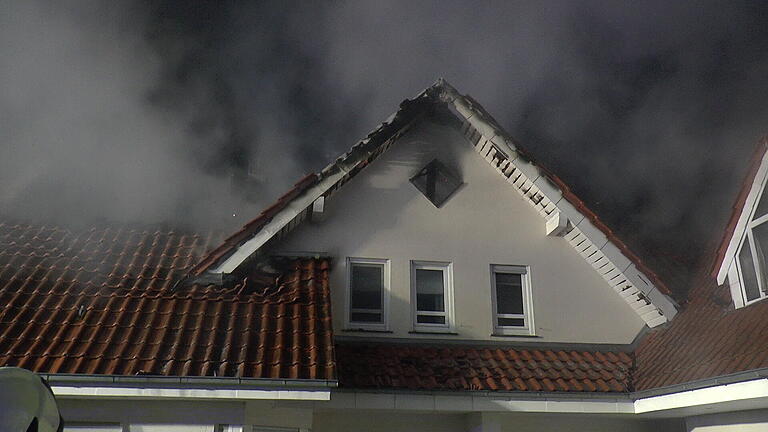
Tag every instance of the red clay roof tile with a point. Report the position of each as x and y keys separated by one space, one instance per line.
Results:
x=102 y=301
x=469 y=370
x=706 y=339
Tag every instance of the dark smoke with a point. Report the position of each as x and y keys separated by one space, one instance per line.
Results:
x=153 y=111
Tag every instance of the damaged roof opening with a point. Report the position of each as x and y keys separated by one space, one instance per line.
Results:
x=436 y=182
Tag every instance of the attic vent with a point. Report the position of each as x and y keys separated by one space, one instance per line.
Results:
x=436 y=182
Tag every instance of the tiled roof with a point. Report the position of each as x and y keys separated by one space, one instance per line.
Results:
x=708 y=338
x=452 y=367
x=105 y=301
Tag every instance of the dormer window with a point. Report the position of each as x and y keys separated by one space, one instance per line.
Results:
x=436 y=182
x=753 y=270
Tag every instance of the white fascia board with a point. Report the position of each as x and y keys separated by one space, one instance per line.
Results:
x=738 y=232
x=98 y=392
x=442 y=402
x=740 y=391
x=446 y=402
x=277 y=223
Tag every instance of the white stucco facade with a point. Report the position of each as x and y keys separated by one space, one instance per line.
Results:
x=380 y=214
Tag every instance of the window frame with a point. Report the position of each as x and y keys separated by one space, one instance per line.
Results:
x=528 y=329
x=384 y=324
x=447 y=269
x=749 y=241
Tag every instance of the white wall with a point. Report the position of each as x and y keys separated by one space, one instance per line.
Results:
x=146 y=415
x=740 y=421
x=380 y=214
x=378 y=421
x=183 y=415
x=583 y=423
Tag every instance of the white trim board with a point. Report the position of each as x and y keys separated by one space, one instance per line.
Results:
x=749 y=394
x=86 y=392
x=709 y=397
x=446 y=402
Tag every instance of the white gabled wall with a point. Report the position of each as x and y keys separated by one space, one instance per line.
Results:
x=380 y=214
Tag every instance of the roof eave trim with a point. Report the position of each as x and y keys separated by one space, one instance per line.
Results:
x=154 y=387
x=277 y=223
x=57 y=378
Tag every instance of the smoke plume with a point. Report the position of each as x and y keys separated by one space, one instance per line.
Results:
x=144 y=113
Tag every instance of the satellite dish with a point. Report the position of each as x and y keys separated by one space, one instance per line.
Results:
x=27 y=403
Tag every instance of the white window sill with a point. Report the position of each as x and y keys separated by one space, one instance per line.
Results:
x=430 y=331
x=511 y=335
x=365 y=330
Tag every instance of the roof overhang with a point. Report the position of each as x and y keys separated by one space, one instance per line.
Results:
x=752 y=394
x=162 y=387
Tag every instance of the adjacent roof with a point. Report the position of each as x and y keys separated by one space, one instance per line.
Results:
x=452 y=367
x=106 y=301
x=707 y=339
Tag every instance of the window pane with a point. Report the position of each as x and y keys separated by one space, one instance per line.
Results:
x=748 y=272
x=363 y=317
x=436 y=182
x=509 y=293
x=760 y=234
x=762 y=206
x=511 y=322
x=430 y=319
x=429 y=290
x=366 y=291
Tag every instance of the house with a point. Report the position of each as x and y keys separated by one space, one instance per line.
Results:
x=434 y=277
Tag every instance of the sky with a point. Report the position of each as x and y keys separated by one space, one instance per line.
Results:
x=139 y=112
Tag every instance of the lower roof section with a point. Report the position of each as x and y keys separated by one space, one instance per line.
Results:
x=707 y=339
x=394 y=366
x=110 y=301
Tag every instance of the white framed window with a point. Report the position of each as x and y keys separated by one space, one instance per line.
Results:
x=751 y=258
x=432 y=296
x=511 y=300
x=367 y=305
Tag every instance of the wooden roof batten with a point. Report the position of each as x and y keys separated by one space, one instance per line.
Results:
x=625 y=273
